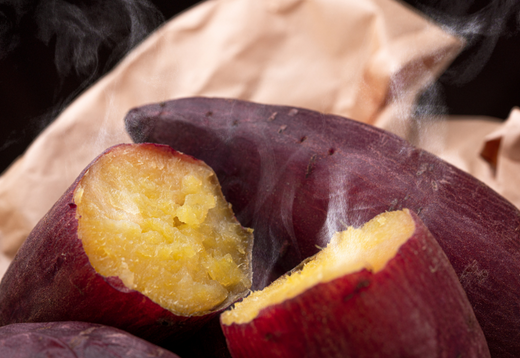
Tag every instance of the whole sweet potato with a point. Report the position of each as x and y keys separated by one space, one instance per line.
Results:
x=296 y=176
x=75 y=340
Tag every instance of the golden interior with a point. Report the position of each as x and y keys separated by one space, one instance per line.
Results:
x=161 y=224
x=349 y=251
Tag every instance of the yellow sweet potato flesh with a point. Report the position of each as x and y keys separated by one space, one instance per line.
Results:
x=161 y=224
x=369 y=247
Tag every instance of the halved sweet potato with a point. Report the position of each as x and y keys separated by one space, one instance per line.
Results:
x=74 y=339
x=384 y=290
x=296 y=176
x=143 y=240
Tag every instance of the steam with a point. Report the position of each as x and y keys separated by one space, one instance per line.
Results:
x=87 y=38
x=481 y=29
x=338 y=207
x=481 y=24
x=82 y=30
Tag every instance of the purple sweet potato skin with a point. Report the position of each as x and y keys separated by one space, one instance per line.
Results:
x=414 y=307
x=74 y=340
x=295 y=176
x=51 y=279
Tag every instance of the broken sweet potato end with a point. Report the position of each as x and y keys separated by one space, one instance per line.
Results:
x=157 y=219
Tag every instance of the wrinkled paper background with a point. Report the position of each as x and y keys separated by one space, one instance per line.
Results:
x=364 y=60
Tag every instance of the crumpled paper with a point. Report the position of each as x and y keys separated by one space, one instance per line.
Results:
x=486 y=147
x=501 y=151
x=366 y=60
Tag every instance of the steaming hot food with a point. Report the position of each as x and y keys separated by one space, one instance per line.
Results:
x=369 y=247
x=143 y=240
x=385 y=289
x=161 y=225
x=297 y=176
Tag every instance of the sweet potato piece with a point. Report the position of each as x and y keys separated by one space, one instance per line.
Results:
x=143 y=240
x=384 y=290
x=296 y=176
x=74 y=339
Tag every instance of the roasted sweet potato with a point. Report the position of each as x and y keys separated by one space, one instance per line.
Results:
x=143 y=240
x=296 y=176
x=384 y=290
x=74 y=340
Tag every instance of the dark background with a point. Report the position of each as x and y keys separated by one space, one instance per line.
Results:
x=51 y=50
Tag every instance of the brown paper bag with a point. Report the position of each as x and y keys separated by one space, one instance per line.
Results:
x=365 y=60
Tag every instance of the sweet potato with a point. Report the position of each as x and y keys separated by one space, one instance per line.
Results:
x=74 y=340
x=384 y=290
x=143 y=240
x=296 y=176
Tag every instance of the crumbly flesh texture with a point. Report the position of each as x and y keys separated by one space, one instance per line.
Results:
x=349 y=251
x=161 y=224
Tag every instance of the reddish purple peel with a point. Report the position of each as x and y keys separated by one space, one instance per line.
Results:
x=414 y=307
x=294 y=193
x=74 y=339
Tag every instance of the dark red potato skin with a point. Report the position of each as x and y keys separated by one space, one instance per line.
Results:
x=74 y=340
x=51 y=279
x=414 y=307
x=295 y=176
